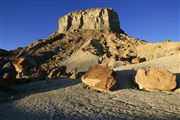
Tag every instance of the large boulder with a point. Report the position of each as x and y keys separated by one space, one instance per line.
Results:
x=91 y=19
x=155 y=79
x=100 y=78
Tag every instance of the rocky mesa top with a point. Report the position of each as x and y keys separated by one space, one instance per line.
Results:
x=105 y=19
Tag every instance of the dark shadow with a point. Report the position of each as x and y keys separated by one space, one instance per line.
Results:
x=48 y=41
x=88 y=110
x=178 y=80
x=125 y=79
x=20 y=91
x=29 y=51
x=93 y=111
x=43 y=57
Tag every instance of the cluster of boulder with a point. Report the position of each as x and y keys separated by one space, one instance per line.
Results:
x=99 y=77
x=14 y=72
x=103 y=78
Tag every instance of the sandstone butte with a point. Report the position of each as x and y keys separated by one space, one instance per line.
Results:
x=91 y=19
x=85 y=39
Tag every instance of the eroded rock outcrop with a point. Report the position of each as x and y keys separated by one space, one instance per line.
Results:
x=7 y=75
x=91 y=19
x=57 y=72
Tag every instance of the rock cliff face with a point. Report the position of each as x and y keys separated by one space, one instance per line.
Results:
x=92 y=19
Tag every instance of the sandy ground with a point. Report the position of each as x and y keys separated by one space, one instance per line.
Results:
x=75 y=102
x=67 y=99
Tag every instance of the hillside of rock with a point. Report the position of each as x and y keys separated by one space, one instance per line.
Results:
x=52 y=77
x=83 y=39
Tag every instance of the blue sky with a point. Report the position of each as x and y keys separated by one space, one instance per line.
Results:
x=25 y=21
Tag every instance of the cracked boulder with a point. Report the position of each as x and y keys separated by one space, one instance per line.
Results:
x=155 y=79
x=100 y=78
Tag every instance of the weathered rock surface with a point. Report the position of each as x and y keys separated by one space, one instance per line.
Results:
x=74 y=75
x=155 y=79
x=38 y=75
x=100 y=78
x=57 y=72
x=4 y=53
x=8 y=79
x=81 y=61
x=152 y=51
x=137 y=60
x=21 y=64
x=7 y=75
x=36 y=43
x=8 y=67
x=91 y=19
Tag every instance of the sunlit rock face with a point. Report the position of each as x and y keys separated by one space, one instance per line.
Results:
x=105 y=19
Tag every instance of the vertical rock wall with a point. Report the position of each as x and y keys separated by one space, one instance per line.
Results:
x=92 y=19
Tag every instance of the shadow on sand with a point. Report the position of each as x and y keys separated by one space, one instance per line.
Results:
x=126 y=80
x=21 y=91
x=178 y=79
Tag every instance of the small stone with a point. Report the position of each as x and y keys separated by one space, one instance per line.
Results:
x=135 y=60
x=74 y=76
